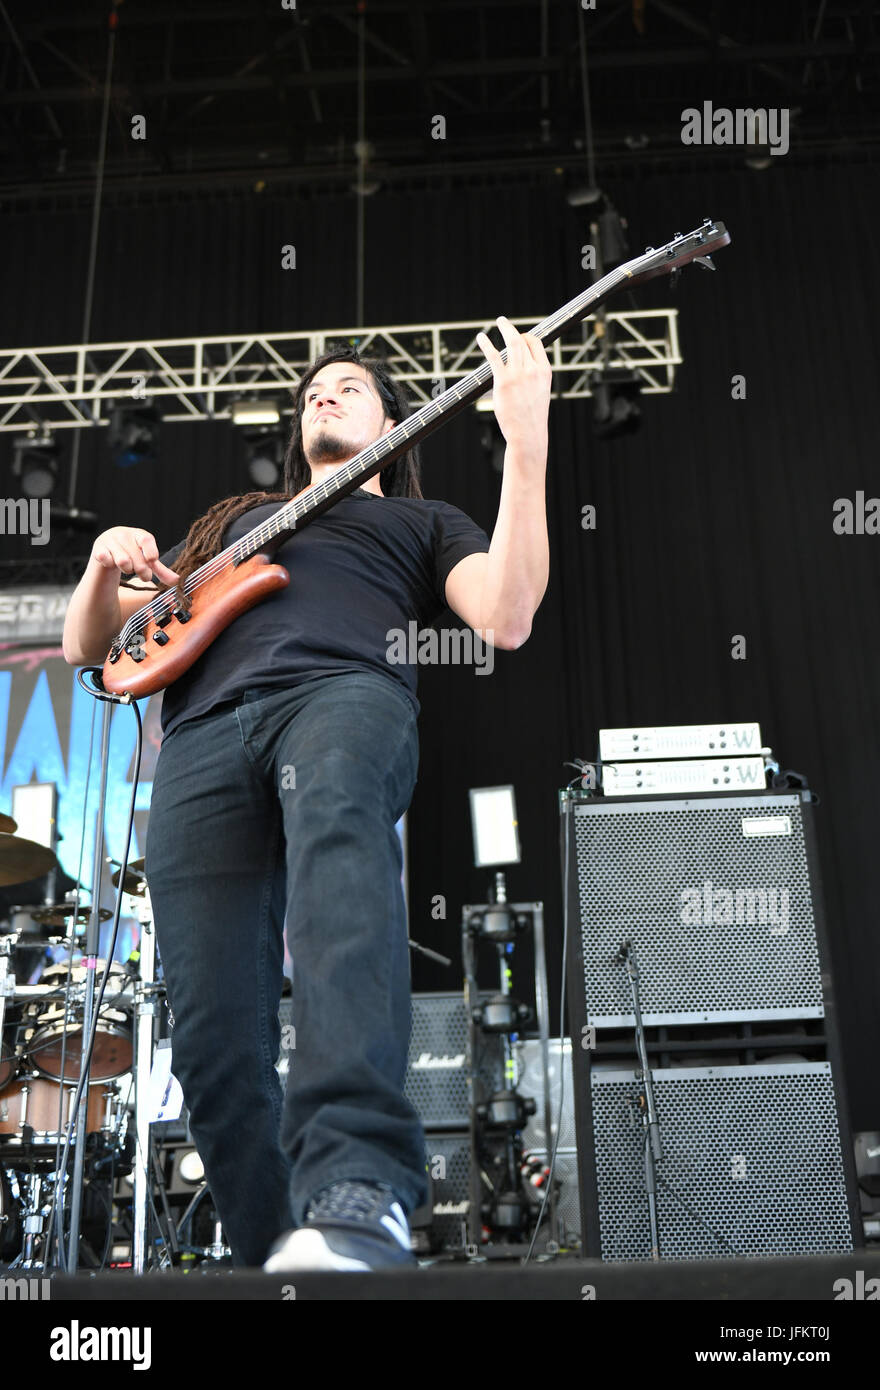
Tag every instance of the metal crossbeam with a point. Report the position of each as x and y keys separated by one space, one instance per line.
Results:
x=199 y=378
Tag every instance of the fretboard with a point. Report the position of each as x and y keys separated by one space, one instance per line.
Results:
x=292 y=516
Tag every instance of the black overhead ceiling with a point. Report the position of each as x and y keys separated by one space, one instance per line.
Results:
x=246 y=92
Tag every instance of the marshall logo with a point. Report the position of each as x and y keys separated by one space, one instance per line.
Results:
x=458 y=1209
x=427 y=1061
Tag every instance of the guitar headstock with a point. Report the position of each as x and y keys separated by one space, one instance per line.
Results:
x=678 y=252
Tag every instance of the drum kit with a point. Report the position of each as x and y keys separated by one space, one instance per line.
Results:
x=41 y=1028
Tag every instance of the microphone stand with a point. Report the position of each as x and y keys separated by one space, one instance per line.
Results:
x=651 y=1125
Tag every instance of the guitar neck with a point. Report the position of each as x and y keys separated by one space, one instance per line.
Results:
x=297 y=513
x=310 y=504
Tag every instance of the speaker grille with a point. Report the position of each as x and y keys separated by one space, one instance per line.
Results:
x=749 y=1153
x=642 y=874
x=448 y=1157
x=530 y=1082
x=436 y=1073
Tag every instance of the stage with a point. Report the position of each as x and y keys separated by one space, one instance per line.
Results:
x=819 y=1279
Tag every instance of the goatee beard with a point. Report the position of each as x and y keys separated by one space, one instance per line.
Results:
x=329 y=448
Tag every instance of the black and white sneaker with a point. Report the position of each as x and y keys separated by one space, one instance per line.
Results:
x=348 y=1226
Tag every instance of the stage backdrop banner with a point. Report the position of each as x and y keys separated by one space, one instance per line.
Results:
x=47 y=725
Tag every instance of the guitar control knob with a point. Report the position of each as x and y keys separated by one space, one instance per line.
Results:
x=160 y=638
x=181 y=615
x=164 y=620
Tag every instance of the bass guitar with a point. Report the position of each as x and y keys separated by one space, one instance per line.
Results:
x=166 y=637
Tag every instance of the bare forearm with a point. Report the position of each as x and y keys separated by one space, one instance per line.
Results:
x=93 y=616
x=519 y=552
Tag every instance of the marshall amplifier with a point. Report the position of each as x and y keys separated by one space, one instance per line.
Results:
x=441 y=1224
x=436 y=1072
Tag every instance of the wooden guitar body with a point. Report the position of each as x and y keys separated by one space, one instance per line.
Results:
x=216 y=603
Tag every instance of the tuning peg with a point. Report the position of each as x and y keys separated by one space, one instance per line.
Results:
x=706 y=262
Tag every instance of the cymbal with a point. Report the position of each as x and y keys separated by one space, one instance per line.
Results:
x=59 y=914
x=8 y=824
x=21 y=860
x=135 y=880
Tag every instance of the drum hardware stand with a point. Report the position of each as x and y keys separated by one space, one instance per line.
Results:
x=169 y=1234
x=8 y=943
x=653 y=1146
x=90 y=956
x=217 y=1250
x=35 y=1210
x=147 y=995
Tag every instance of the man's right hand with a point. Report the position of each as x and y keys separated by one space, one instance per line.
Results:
x=131 y=550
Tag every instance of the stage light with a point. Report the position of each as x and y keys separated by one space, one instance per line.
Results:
x=616 y=409
x=585 y=195
x=265 y=450
x=494 y=824
x=133 y=435
x=191 y=1168
x=35 y=463
x=259 y=410
x=365 y=185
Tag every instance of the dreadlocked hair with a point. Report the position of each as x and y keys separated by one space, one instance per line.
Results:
x=401 y=478
x=204 y=537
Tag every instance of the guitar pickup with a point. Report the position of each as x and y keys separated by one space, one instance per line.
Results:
x=181 y=615
x=161 y=638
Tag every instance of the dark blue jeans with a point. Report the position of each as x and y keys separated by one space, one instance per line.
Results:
x=287 y=803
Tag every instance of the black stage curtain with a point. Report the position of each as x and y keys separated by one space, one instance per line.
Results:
x=714 y=521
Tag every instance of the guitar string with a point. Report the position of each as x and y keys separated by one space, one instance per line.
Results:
x=299 y=507
x=294 y=510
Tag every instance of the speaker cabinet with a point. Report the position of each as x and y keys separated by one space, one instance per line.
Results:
x=719 y=898
x=752 y=1163
x=436 y=1072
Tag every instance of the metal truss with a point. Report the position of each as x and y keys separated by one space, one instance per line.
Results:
x=54 y=388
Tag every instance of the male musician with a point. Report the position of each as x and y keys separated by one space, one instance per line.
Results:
x=290 y=751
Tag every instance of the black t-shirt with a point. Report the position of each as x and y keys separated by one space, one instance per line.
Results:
x=366 y=566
